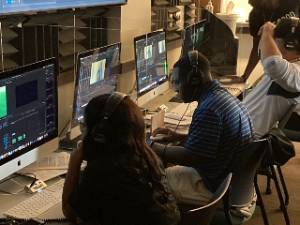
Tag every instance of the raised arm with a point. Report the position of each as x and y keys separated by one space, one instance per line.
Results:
x=267 y=45
x=286 y=74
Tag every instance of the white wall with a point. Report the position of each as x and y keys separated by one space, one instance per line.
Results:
x=241 y=7
x=135 y=21
x=245 y=46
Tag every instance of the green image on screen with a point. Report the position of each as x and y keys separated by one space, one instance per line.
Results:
x=97 y=71
x=3 y=102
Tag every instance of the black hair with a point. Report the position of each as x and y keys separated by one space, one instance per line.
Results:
x=288 y=29
x=185 y=65
x=190 y=83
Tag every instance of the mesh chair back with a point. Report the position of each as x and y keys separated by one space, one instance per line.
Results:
x=286 y=116
x=203 y=215
x=242 y=186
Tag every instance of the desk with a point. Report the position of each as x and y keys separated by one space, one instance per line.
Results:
x=233 y=88
x=16 y=184
x=10 y=201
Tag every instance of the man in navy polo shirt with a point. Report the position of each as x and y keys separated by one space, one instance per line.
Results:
x=221 y=128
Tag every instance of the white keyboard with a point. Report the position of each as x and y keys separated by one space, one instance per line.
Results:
x=174 y=116
x=38 y=203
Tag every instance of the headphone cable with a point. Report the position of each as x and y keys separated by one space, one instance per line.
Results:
x=177 y=125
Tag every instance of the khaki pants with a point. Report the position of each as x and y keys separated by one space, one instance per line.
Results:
x=187 y=186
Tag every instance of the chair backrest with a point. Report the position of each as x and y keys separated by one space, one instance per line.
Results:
x=286 y=116
x=242 y=186
x=204 y=214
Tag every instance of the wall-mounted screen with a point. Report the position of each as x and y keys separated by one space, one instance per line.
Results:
x=23 y=6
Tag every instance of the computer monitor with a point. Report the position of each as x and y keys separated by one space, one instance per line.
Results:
x=28 y=115
x=194 y=36
x=96 y=73
x=220 y=45
x=151 y=65
x=23 y=6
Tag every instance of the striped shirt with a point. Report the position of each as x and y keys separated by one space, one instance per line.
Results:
x=221 y=128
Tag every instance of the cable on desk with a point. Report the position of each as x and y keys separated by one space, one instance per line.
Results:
x=165 y=147
x=64 y=128
x=185 y=111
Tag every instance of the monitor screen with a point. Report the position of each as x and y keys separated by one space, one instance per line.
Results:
x=22 y=6
x=151 y=61
x=28 y=108
x=97 y=72
x=194 y=37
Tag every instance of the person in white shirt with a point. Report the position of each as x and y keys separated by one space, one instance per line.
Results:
x=279 y=88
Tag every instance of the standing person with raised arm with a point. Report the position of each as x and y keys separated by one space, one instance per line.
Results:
x=263 y=11
x=279 y=88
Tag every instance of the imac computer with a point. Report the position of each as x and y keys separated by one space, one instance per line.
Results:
x=28 y=115
x=96 y=73
x=193 y=37
x=151 y=66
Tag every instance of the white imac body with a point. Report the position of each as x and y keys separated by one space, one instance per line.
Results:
x=151 y=66
x=159 y=90
x=28 y=158
x=29 y=124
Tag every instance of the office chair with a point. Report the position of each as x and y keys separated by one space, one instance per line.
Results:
x=273 y=171
x=243 y=186
x=291 y=129
x=204 y=214
x=281 y=126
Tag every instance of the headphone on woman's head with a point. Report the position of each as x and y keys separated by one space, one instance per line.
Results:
x=113 y=101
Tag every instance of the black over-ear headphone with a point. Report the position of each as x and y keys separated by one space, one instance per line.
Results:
x=194 y=77
x=113 y=101
x=291 y=38
x=291 y=41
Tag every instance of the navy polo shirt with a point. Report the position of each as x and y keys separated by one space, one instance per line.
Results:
x=221 y=128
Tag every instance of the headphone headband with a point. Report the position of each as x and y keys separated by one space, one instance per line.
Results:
x=288 y=30
x=193 y=58
x=112 y=103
